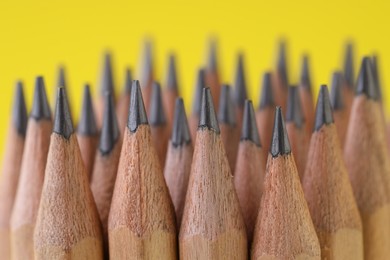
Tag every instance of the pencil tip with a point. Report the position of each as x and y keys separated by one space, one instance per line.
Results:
x=157 y=114
x=280 y=145
x=375 y=73
x=240 y=83
x=61 y=82
x=147 y=62
x=212 y=57
x=110 y=131
x=336 y=94
x=349 y=74
x=181 y=132
x=267 y=98
x=305 y=74
x=294 y=111
x=249 y=127
x=128 y=81
x=365 y=81
x=324 y=114
x=282 y=63
x=107 y=81
x=207 y=117
x=62 y=121
x=19 y=112
x=87 y=124
x=137 y=113
x=199 y=86
x=172 y=77
x=226 y=112
x=40 y=108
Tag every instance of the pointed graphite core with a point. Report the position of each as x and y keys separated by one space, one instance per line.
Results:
x=365 y=81
x=157 y=114
x=137 y=113
x=249 y=127
x=324 y=113
x=226 y=112
x=240 y=93
x=212 y=64
x=110 y=131
x=128 y=81
x=180 y=132
x=349 y=73
x=199 y=86
x=336 y=94
x=172 y=76
x=280 y=145
x=147 y=62
x=19 y=111
x=208 y=117
x=282 y=63
x=305 y=74
x=40 y=108
x=107 y=80
x=62 y=121
x=267 y=97
x=294 y=111
x=87 y=124
x=375 y=73
x=61 y=81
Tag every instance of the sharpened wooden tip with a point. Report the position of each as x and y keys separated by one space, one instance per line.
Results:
x=137 y=113
x=365 y=81
x=294 y=111
x=19 y=111
x=249 y=127
x=282 y=63
x=349 y=73
x=305 y=74
x=107 y=80
x=208 y=117
x=267 y=98
x=212 y=64
x=157 y=113
x=181 y=132
x=324 y=113
x=280 y=145
x=63 y=124
x=147 y=63
x=336 y=94
x=240 y=92
x=375 y=73
x=128 y=81
x=110 y=131
x=199 y=86
x=226 y=112
x=87 y=124
x=172 y=75
x=40 y=108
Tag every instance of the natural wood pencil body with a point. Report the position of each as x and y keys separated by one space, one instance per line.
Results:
x=28 y=196
x=264 y=120
x=169 y=97
x=160 y=139
x=212 y=81
x=299 y=145
x=307 y=104
x=122 y=110
x=141 y=222
x=230 y=136
x=88 y=145
x=341 y=121
x=193 y=122
x=280 y=90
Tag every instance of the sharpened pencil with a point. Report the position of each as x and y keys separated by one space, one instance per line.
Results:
x=212 y=72
x=196 y=103
x=171 y=89
x=122 y=106
x=306 y=96
x=240 y=89
x=147 y=73
x=280 y=77
x=340 y=112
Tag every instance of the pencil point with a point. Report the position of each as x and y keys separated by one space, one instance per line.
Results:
x=19 y=113
x=365 y=81
x=181 y=132
x=375 y=73
x=172 y=76
x=212 y=56
x=305 y=74
x=294 y=110
x=324 y=114
x=240 y=93
x=110 y=131
x=147 y=62
x=267 y=98
x=249 y=127
x=137 y=113
x=336 y=94
x=199 y=86
x=280 y=145
x=207 y=117
x=62 y=121
x=87 y=124
x=282 y=63
x=107 y=81
x=226 y=112
x=61 y=82
x=349 y=74
x=157 y=114
x=128 y=81
x=40 y=108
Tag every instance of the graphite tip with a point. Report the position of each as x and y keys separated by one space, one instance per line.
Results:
x=137 y=113
x=240 y=93
x=61 y=81
x=208 y=117
x=336 y=94
x=107 y=80
x=157 y=114
x=147 y=62
x=40 y=108
x=294 y=111
x=110 y=131
x=280 y=145
x=267 y=97
x=365 y=81
x=128 y=81
x=324 y=114
x=212 y=63
x=305 y=74
x=87 y=124
x=180 y=132
x=349 y=73
x=226 y=112
x=171 y=75
x=249 y=128
x=282 y=63
x=199 y=86
x=19 y=110
x=375 y=73
x=62 y=120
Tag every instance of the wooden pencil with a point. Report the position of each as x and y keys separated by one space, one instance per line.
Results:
x=32 y=173
x=87 y=132
x=68 y=225
x=212 y=225
x=265 y=113
x=141 y=222
x=306 y=96
x=12 y=160
x=171 y=90
x=349 y=77
x=179 y=157
x=328 y=190
x=230 y=133
x=240 y=92
x=367 y=161
x=295 y=125
x=212 y=73
x=196 y=103
x=280 y=77
x=147 y=73
x=106 y=165
x=249 y=171
x=284 y=229
x=61 y=81
x=158 y=124
x=122 y=106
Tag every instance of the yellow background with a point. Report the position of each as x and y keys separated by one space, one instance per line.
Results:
x=37 y=36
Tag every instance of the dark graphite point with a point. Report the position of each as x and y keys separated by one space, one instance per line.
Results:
x=137 y=113
x=375 y=73
x=107 y=80
x=349 y=73
x=240 y=93
x=128 y=81
x=212 y=64
x=207 y=117
x=110 y=131
x=324 y=113
x=180 y=132
x=199 y=86
x=336 y=94
x=280 y=145
x=365 y=81
x=249 y=128
x=40 y=108
x=147 y=62
x=294 y=111
x=267 y=97
x=87 y=124
x=61 y=81
x=19 y=111
x=62 y=121
x=171 y=76
x=157 y=114
x=305 y=74
x=282 y=63
x=226 y=112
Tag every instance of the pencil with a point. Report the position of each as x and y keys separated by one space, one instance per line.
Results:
x=340 y=112
x=106 y=165
x=87 y=132
x=367 y=161
x=171 y=90
x=265 y=113
x=249 y=172
x=179 y=158
x=295 y=125
x=68 y=225
x=122 y=106
x=196 y=103
x=240 y=92
x=349 y=76
x=32 y=173
x=328 y=190
x=61 y=81
x=212 y=72
x=306 y=96
x=284 y=229
x=12 y=160
x=158 y=124
x=147 y=73
x=280 y=77
x=230 y=134
x=141 y=223
x=212 y=225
